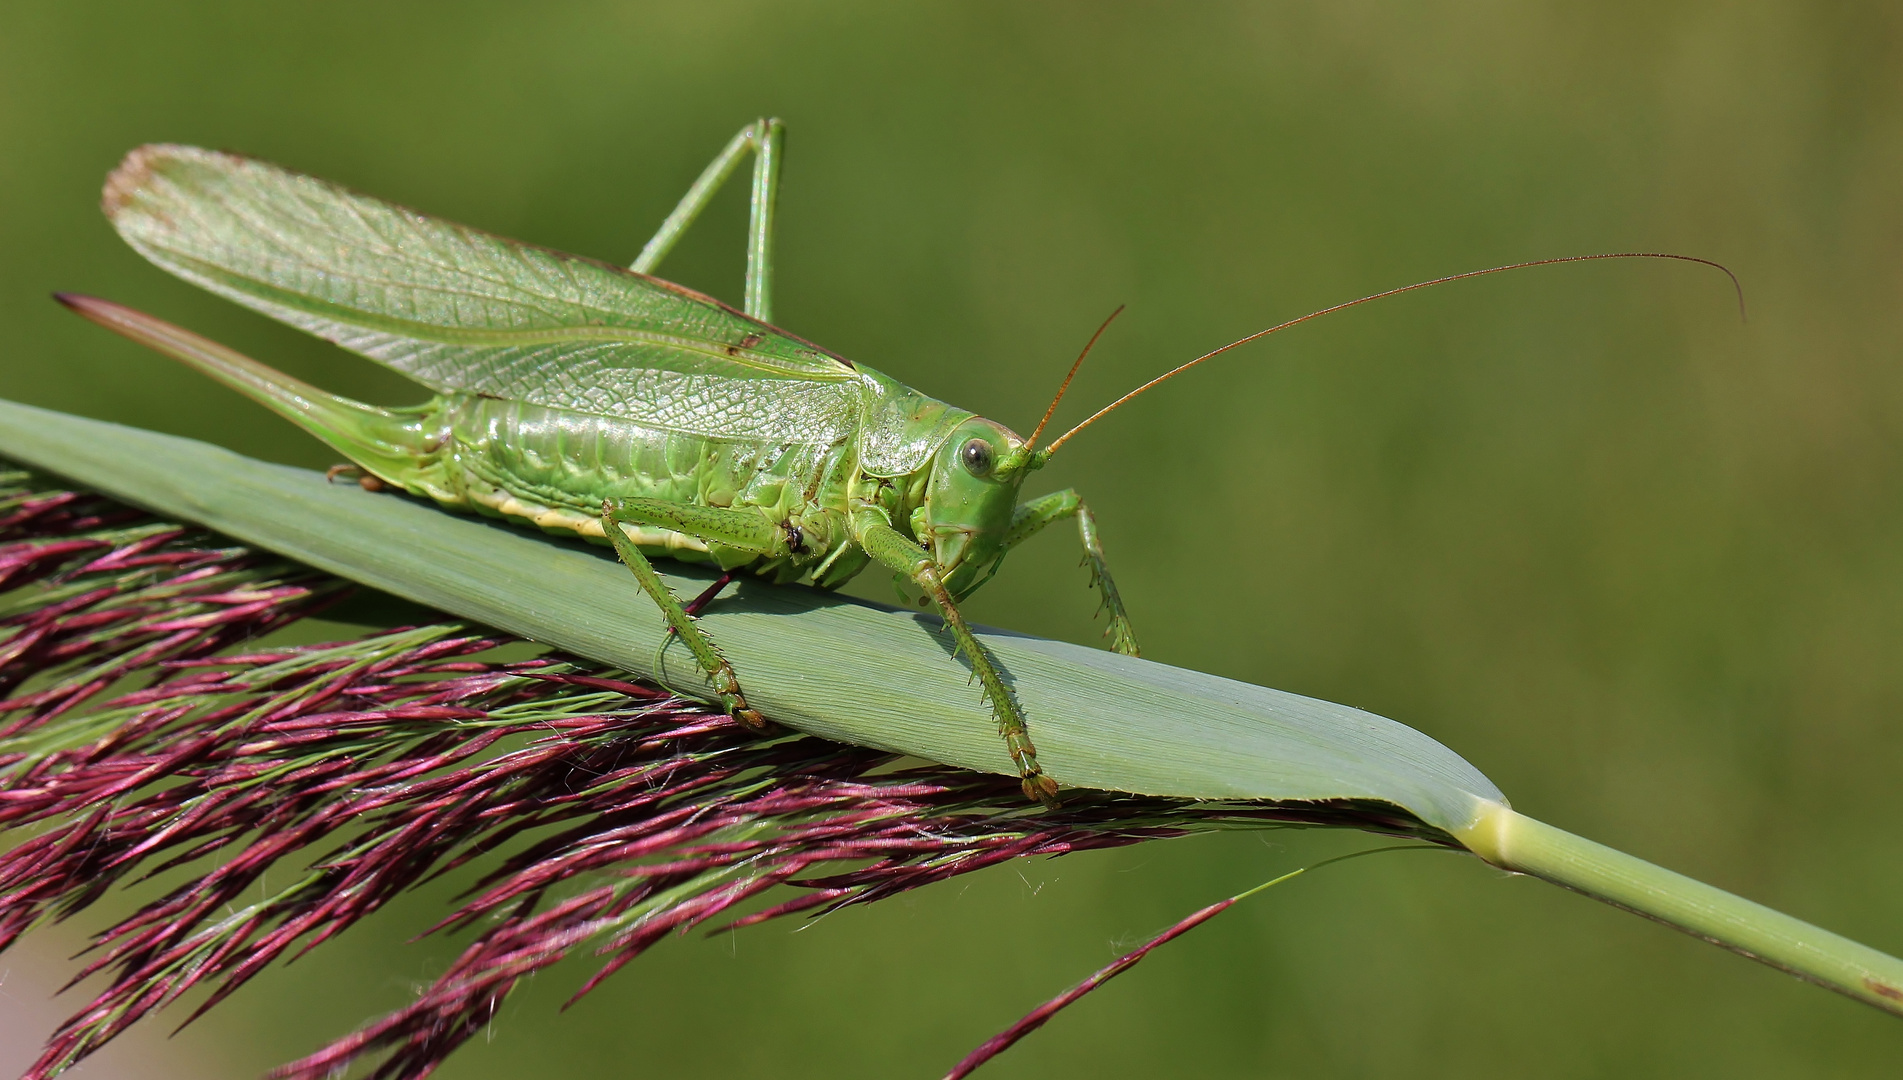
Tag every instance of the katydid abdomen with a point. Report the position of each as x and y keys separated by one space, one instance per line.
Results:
x=555 y=468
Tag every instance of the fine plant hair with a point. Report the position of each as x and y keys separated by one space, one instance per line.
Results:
x=143 y=731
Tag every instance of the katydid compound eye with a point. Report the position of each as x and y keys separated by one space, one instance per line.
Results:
x=976 y=455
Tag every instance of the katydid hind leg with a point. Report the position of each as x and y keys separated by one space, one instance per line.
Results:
x=1033 y=516
x=761 y=207
x=364 y=478
x=765 y=139
x=892 y=549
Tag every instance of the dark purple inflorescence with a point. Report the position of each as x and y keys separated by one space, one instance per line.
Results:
x=141 y=733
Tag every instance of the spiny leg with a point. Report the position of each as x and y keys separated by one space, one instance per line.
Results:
x=892 y=549
x=694 y=607
x=1034 y=515
x=766 y=139
x=719 y=672
x=1123 y=636
x=733 y=528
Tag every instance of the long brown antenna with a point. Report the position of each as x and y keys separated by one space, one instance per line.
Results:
x=1173 y=372
x=1039 y=429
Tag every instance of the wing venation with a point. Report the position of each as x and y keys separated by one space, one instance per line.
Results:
x=459 y=309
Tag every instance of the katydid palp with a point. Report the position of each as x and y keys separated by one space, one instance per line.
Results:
x=589 y=399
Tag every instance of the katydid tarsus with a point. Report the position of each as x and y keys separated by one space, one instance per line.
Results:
x=589 y=399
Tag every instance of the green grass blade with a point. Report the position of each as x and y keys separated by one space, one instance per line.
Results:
x=866 y=674
x=822 y=663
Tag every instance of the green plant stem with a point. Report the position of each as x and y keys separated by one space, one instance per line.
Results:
x=1513 y=841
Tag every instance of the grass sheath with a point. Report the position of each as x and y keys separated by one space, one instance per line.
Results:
x=597 y=811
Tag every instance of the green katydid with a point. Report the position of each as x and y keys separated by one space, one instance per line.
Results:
x=589 y=399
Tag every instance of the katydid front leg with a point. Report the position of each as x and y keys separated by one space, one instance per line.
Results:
x=893 y=549
x=1034 y=515
x=732 y=528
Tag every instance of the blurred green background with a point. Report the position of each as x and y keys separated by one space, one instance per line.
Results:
x=1640 y=563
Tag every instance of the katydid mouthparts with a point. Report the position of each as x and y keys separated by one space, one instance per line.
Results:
x=586 y=398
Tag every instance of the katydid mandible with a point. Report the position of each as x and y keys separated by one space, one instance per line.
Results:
x=585 y=398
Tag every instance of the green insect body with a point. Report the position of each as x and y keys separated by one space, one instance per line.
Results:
x=589 y=399
x=585 y=398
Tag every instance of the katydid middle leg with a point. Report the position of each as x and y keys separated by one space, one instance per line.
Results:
x=730 y=528
x=765 y=138
x=698 y=604
x=1039 y=512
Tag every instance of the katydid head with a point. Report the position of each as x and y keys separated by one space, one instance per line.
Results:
x=969 y=499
